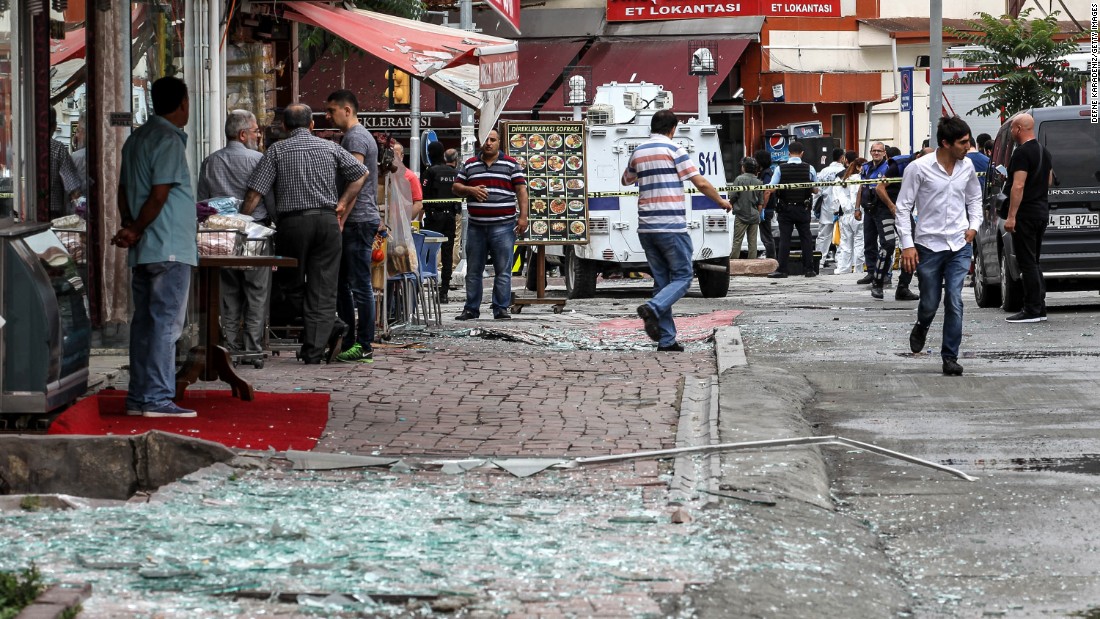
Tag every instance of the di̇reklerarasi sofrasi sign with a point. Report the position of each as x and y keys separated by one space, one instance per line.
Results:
x=553 y=158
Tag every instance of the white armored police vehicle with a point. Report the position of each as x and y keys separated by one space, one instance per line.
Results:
x=617 y=122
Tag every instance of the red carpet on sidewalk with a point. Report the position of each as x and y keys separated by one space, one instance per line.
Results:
x=273 y=420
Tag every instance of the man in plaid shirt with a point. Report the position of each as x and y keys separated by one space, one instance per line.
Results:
x=303 y=169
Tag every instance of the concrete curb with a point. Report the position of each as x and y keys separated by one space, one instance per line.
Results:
x=760 y=403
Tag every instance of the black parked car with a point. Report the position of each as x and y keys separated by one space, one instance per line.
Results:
x=1071 y=247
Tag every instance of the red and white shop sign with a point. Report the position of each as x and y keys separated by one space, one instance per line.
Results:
x=645 y=10
x=498 y=71
x=508 y=9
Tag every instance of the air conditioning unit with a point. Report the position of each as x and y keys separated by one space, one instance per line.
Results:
x=600 y=114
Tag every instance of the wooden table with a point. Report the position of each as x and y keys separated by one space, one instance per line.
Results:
x=210 y=360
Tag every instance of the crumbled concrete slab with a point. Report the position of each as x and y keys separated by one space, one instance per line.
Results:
x=753 y=268
x=101 y=467
x=56 y=601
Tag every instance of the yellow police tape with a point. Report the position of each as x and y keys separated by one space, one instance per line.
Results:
x=730 y=188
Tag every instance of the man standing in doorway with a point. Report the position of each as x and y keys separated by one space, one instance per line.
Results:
x=496 y=198
x=225 y=174
x=159 y=228
x=442 y=217
x=944 y=189
x=304 y=170
x=355 y=293
x=660 y=167
x=1030 y=171
x=793 y=208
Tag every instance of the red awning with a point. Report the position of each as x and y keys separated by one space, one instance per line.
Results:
x=75 y=41
x=657 y=61
x=70 y=48
x=480 y=70
x=542 y=61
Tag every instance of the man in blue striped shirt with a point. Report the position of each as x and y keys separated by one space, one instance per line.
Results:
x=660 y=167
x=496 y=192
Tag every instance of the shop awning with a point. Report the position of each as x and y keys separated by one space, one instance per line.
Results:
x=71 y=48
x=75 y=41
x=479 y=70
x=657 y=61
x=542 y=62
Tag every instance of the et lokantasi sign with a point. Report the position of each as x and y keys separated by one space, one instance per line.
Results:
x=645 y=10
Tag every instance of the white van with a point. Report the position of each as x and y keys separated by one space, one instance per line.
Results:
x=617 y=122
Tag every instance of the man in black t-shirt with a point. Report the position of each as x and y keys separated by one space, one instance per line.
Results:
x=1029 y=171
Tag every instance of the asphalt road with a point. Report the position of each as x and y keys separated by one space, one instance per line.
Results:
x=1019 y=542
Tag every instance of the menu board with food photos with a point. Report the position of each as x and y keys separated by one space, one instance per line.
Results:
x=553 y=158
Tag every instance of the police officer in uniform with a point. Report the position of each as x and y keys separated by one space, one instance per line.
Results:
x=793 y=208
x=441 y=216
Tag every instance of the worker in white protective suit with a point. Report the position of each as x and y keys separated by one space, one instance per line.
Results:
x=829 y=204
x=849 y=254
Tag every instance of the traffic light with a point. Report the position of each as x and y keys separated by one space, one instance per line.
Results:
x=397 y=91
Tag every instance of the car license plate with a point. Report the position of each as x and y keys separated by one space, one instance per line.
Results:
x=1076 y=220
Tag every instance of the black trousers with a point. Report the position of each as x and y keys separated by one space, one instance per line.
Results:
x=793 y=216
x=766 y=233
x=443 y=222
x=1027 y=240
x=870 y=238
x=314 y=240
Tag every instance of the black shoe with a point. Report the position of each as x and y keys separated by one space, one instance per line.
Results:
x=466 y=315
x=917 y=337
x=335 y=338
x=502 y=316
x=904 y=294
x=1043 y=315
x=866 y=279
x=876 y=292
x=673 y=347
x=443 y=297
x=1024 y=317
x=810 y=274
x=649 y=317
x=951 y=367
x=777 y=275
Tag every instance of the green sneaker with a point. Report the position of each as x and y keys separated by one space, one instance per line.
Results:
x=356 y=353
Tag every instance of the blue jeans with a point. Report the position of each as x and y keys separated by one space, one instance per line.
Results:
x=160 y=304
x=355 y=293
x=669 y=257
x=481 y=241
x=947 y=270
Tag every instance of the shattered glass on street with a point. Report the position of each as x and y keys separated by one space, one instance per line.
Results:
x=354 y=540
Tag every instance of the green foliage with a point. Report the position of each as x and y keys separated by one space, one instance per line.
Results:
x=17 y=591
x=30 y=503
x=1023 y=58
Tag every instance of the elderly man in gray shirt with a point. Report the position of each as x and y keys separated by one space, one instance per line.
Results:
x=225 y=173
x=304 y=170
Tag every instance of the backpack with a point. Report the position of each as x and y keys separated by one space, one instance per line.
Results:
x=895 y=168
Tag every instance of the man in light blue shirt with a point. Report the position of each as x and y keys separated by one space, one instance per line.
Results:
x=159 y=228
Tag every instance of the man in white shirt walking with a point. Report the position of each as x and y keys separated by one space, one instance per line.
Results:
x=944 y=189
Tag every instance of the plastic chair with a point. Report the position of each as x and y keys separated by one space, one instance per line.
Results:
x=405 y=295
x=427 y=254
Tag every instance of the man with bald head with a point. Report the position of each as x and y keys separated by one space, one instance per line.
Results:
x=304 y=170
x=1030 y=172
